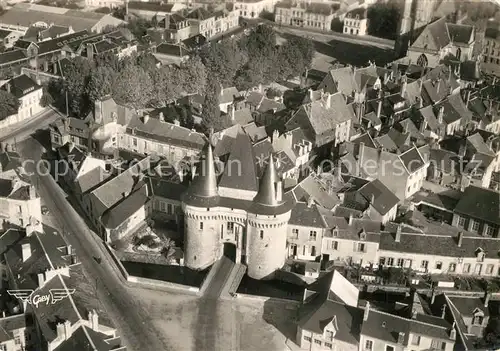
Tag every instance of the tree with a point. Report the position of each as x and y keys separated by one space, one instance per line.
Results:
x=138 y=27
x=75 y=82
x=211 y=111
x=223 y=60
x=9 y=104
x=133 y=85
x=46 y=99
x=383 y=19
x=186 y=118
x=194 y=76
x=267 y=15
x=295 y=57
x=100 y=83
x=337 y=25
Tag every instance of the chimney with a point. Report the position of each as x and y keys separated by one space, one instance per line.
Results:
x=7 y=86
x=414 y=313
x=401 y=338
x=60 y=331
x=69 y=250
x=468 y=98
x=453 y=332
x=351 y=219
x=423 y=126
x=54 y=68
x=443 y=311
x=46 y=66
x=32 y=192
x=26 y=251
x=433 y=295
x=441 y=114
x=90 y=51
x=310 y=91
x=94 y=320
x=167 y=21
x=310 y=201
x=279 y=191
x=487 y=298
x=360 y=157
x=67 y=330
x=403 y=88
x=231 y=111
x=460 y=239
x=145 y=118
x=367 y=311
x=439 y=85
x=41 y=279
x=161 y=117
x=379 y=108
x=328 y=102
x=398 y=234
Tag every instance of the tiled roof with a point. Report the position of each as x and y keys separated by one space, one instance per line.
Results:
x=412 y=160
x=150 y=6
x=227 y=95
x=167 y=190
x=9 y=161
x=467 y=305
x=480 y=203
x=9 y=324
x=91 y=179
x=177 y=50
x=310 y=187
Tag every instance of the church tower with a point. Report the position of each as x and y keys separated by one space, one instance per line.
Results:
x=267 y=226
x=201 y=239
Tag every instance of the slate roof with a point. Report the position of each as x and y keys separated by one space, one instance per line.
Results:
x=384 y=199
x=480 y=203
x=91 y=179
x=150 y=6
x=227 y=95
x=11 y=56
x=310 y=187
x=439 y=245
x=9 y=324
x=412 y=160
x=306 y=216
x=467 y=305
x=165 y=132
x=119 y=213
x=9 y=161
x=166 y=189
x=25 y=14
x=239 y=171
x=459 y=33
x=22 y=85
x=177 y=50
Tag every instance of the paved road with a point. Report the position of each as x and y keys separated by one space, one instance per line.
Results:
x=24 y=130
x=130 y=319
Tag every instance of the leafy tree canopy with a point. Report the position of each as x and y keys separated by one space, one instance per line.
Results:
x=383 y=19
x=9 y=104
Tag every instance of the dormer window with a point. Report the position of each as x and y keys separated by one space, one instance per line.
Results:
x=477 y=320
x=335 y=232
x=480 y=255
x=362 y=235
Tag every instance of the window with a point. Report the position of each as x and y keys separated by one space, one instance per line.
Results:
x=134 y=141
x=466 y=268
x=162 y=206
x=295 y=233
x=332 y=245
x=390 y=261
x=490 y=231
x=475 y=225
x=452 y=268
x=201 y=225
x=477 y=320
x=382 y=261
x=369 y=345
x=389 y=348
x=170 y=209
x=438 y=345
x=316 y=341
x=361 y=247
x=230 y=226
x=328 y=345
x=17 y=340
x=313 y=250
x=424 y=264
x=415 y=340
x=461 y=222
x=329 y=335
x=262 y=234
x=312 y=235
x=439 y=265
x=489 y=269
x=400 y=262
x=307 y=338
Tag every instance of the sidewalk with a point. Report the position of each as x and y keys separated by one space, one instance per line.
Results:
x=13 y=130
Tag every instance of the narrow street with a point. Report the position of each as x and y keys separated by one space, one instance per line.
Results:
x=131 y=320
x=23 y=130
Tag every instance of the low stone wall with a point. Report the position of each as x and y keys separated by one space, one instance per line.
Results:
x=162 y=284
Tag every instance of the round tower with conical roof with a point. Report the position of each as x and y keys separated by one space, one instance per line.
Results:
x=201 y=238
x=267 y=226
